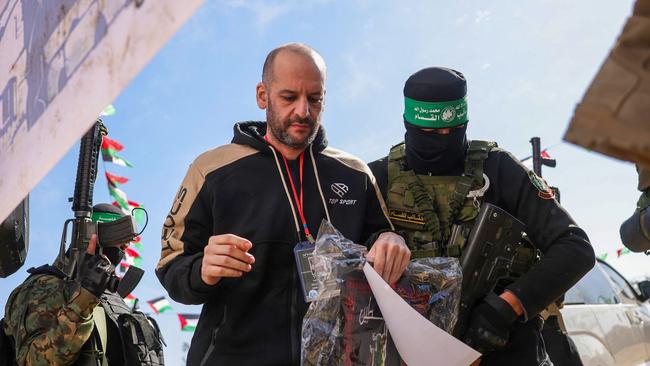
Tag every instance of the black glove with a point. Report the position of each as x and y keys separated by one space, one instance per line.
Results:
x=490 y=324
x=96 y=274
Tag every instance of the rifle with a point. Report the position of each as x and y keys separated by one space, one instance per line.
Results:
x=119 y=231
x=539 y=160
x=82 y=202
x=495 y=251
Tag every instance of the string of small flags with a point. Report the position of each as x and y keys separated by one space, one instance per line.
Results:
x=110 y=149
x=161 y=305
x=619 y=252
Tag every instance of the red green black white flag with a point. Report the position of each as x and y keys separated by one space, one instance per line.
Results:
x=110 y=148
x=127 y=206
x=110 y=156
x=622 y=251
x=188 y=321
x=137 y=243
x=132 y=258
x=159 y=305
x=130 y=300
x=115 y=179
x=110 y=144
x=119 y=196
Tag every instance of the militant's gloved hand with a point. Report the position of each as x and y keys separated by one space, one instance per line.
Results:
x=490 y=325
x=96 y=273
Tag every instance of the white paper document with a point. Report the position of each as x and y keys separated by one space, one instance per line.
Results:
x=418 y=341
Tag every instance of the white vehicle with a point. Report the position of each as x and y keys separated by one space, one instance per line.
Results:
x=608 y=319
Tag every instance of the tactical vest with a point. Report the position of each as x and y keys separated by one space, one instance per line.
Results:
x=426 y=208
x=140 y=341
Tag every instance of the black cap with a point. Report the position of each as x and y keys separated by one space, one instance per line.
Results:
x=436 y=84
x=106 y=207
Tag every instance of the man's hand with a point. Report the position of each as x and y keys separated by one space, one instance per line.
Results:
x=96 y=270
x=490 y=324
x=389 y=256
x=225 y=256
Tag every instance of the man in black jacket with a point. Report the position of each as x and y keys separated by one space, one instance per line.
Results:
x=437 y=164
x=228 y=241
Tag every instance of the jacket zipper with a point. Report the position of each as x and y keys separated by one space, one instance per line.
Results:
x=213 y=342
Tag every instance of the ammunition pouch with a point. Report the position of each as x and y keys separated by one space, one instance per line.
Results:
x=141 y=339
x=428 y=208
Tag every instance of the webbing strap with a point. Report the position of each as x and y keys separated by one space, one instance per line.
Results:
x=472 y=176
x=99 y=318
x=396 y=158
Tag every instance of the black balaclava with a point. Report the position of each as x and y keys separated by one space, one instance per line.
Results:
x=426 y=151
x=430 y=153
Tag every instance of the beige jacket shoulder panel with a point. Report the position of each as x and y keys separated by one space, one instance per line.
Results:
x=204 y=164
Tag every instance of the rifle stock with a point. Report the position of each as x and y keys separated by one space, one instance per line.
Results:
x=488 y=257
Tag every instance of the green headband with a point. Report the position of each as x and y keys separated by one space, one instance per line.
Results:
x=105 y=216
x=435 y=115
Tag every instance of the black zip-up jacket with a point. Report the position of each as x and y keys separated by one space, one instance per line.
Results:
x=238 y=189
x=568 y=255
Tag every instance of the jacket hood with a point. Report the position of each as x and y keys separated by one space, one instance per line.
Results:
x=252 y=133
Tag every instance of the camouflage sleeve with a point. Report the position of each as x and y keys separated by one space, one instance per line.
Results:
x=47 y=329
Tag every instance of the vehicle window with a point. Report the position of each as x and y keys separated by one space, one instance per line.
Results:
x=622 y=288
x=574 y=296
x=593 y=288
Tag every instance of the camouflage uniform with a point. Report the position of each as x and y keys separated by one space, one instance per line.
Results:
x=48 y=327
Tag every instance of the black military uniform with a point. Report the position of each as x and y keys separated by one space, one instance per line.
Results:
x=455 y=176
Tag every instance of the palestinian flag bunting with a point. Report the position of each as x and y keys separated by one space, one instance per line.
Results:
x=110 y=156
x=108 y=111
x=188 y=322
x=110 y=144
x=128 y=206
x=159 y=305
x=115 y=179
x=137 y=243
x=130 y=300
x=122 y=268
x=622 y=251
x=619 y=253
x=132 y=258
x=110 y=148
x=119 y=196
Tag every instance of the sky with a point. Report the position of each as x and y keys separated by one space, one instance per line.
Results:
x=527 y=65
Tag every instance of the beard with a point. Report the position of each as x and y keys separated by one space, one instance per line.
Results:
x=280 y=129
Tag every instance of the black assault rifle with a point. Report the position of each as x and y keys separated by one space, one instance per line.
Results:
x=493 y=253
x=110 y=233
x=540 y=160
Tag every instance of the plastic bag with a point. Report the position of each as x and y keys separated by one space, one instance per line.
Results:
x=344 y=325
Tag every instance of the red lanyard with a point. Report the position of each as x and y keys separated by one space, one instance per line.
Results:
x=299 y=200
